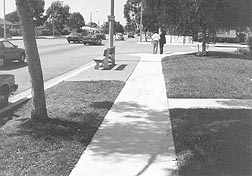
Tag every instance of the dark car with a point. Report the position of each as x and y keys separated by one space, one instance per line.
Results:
x=131 y=35
x=75 y=37
x=10 y=52
x=92 y=39
x=7 y=87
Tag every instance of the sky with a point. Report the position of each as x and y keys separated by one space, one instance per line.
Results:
x=100 y=9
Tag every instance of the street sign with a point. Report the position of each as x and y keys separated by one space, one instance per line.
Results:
x=111 y=18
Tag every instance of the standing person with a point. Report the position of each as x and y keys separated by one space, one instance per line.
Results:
x=162 y=41
x=155 y=39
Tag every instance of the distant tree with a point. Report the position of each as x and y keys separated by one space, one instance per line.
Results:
x=39 y=112
x=76 y=21
x=205 y=16
x=12 y=17
x=59 y=14
x=118 y=27
x=151 y=21
x=209 y=16
x=132 y=14
x=37 y=8
x=105 y=27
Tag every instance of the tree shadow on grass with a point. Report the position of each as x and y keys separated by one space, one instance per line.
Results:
x=76 y=130
x=225 y=55
x=213 y=141
x=54 y=142
x=5 y=118
x=102 y=104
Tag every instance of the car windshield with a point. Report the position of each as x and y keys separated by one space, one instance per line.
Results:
x=8 y=44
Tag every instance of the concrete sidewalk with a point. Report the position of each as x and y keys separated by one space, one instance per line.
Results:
x=135 y=137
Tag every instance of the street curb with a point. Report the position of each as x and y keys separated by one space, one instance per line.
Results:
x=26 y=95
x=38 y=37
x=12 y=106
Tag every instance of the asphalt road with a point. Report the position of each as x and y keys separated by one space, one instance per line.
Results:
x=58 y=57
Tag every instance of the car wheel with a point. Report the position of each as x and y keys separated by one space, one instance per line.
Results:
x=84 y=43
x=2 y=62
x=68 y=41
x=3 y=100
x=22 y=58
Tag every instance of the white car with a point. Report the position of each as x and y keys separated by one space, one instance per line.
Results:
x=119 y=36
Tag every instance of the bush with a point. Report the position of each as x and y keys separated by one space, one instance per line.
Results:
x=46 y=32
x=65 y=32
x=249 y=42
x=15 y=33
x=57 y=33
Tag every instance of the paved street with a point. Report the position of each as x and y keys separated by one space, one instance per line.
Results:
x=58 y=57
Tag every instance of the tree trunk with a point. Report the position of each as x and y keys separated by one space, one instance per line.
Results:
x=39 y=112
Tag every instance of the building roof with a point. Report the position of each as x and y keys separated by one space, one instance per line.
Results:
x=7 y=22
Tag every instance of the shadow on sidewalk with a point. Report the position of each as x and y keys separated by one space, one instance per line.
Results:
x=133 y=130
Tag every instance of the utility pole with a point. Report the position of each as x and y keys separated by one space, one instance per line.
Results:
x=4 y=20
x=53 y=19
x=91 y=17
x=141 y=21
x=111 y=20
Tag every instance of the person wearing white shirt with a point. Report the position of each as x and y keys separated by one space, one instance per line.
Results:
x=155 y=39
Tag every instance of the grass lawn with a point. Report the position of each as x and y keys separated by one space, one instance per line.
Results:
x=219 y=75
x=211 y=142
x=76 y=110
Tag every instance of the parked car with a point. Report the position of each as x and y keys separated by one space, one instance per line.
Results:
x=131 y=35
x=119 y=36
x=7 y=87
x=92 y=39
x=75 y=37
x=102 y=36
x=10 y=52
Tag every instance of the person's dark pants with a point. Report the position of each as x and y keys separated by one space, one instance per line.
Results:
x=161 y=48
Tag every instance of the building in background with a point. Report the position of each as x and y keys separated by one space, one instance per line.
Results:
x=12 y=29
